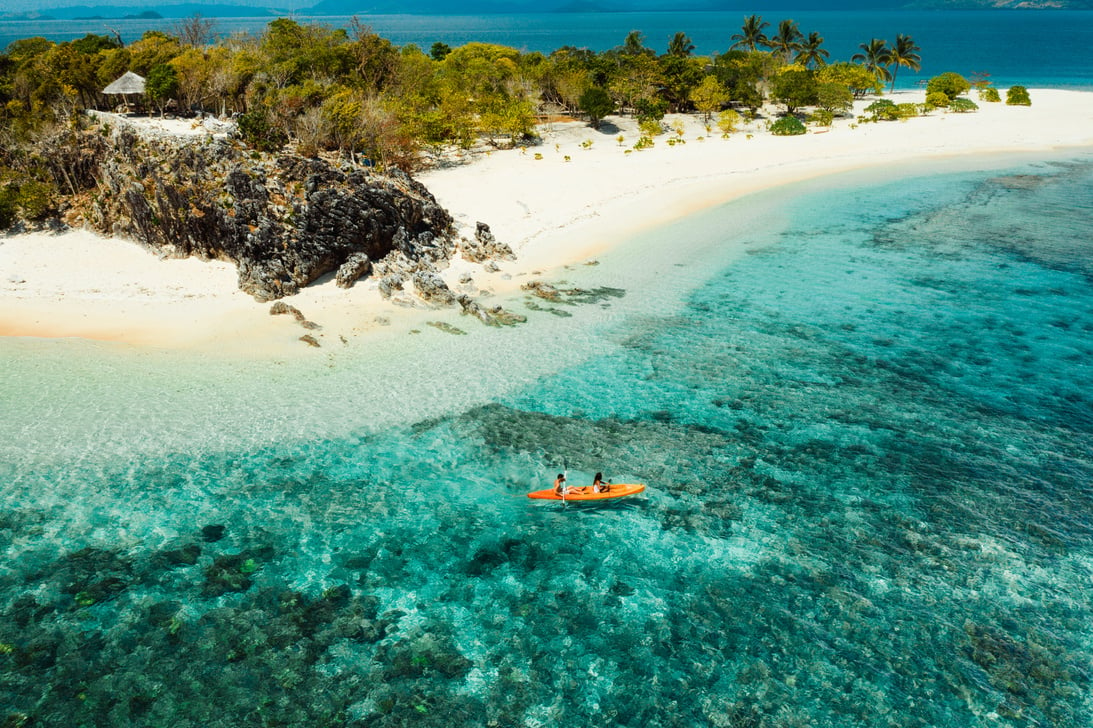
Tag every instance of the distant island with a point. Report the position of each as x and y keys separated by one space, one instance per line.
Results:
x=488 y=7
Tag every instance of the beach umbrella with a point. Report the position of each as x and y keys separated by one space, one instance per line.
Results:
x=129 y=83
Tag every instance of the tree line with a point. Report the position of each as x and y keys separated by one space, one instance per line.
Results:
x=350 y=90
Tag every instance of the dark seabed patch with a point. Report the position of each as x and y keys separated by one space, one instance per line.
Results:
x=869 y=467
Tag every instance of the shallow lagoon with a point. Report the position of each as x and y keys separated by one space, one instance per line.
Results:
x=864 y=417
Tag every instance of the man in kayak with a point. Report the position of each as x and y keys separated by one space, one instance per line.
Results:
x=560 y=487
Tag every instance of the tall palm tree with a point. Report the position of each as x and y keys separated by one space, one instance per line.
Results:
x=751 y=34
x=787 y=40
x=811 y=52
x=903 y=53
x=680 y=45
x=874 y=56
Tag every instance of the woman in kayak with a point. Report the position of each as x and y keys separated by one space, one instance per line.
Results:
x=598 y=486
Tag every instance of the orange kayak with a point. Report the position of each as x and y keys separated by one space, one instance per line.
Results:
x=585 y=493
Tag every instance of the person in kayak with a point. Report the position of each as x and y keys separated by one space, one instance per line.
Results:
x=598 y=484
x=560 y=487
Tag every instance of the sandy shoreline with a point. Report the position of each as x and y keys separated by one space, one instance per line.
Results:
x=569 y=205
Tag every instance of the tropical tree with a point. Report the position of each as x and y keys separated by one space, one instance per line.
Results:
x=795 y=87
x=709 y=96
x=857 y=78
x=596 y=103
x=680 y=45
x=903 y=53
x=787 y=40
x=751 y=35
x=875 y=57
x=634 y=45
x=949 y=83
x=811 y=53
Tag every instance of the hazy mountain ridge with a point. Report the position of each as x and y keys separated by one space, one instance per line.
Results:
x=473 y=7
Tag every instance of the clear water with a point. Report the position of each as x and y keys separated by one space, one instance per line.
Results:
x=862 y=406
x=1032 y=48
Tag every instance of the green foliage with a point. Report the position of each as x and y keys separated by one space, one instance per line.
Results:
x=256 y=129
x=937 y=100
x=833 y=97
x=795 y=88
x=906 y=111
x=161 y=84
x=596 y=103
x=650 y=110
x=821 y=117
x=728 y=121
x=883 y=110
x=787 y=126
x=29 y=199
x=651 y=127
x=7 y=207
x=963 y=106
x=989 y=94
x=857 y=78
x=439 y=51
x=644 y=142
x=1018 y=96
x=949 y=83
x=709 y=96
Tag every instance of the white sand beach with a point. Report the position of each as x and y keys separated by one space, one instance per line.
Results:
x=561 y=202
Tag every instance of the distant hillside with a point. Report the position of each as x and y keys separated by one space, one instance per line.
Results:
x=184 y=10
x=507 y=7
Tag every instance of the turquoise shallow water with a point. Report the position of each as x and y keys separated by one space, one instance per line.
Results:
x=866 y=427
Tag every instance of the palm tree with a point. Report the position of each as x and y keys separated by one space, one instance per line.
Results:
x=903 y=53
x=787 y=40
x=751 y=34
x=680 y=45
x=811 y=52
x=874 y=56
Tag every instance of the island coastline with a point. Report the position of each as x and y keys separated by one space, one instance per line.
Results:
x=560 y=203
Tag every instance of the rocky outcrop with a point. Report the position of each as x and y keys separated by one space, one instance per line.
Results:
x=284 y=221
x=485 y=246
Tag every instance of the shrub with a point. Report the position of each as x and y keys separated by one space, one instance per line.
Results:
x=963 y=106
x=7 y=208
x=650 y=110
x=787 y=126
x=35 y=200
x=834 y=97
x=951 y=84
x=906 y=111
x=596 y=103
x=644 y=142
x=1018 y=96
x=256 y=130
x=937 y=100
x=989 y=94
x=821 y=117
x=728 y=121
x=651 y=127
x=882 y=109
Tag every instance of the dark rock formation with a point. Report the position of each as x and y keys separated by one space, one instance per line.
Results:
x=355 y=266
x=485 y=247
x=284 y=221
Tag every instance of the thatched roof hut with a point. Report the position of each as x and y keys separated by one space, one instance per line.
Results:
x=129 y=83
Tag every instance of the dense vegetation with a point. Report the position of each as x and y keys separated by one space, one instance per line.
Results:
x=353 y=92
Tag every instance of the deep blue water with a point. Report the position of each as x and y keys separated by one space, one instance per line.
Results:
x=1032 y=48
x=869 y=449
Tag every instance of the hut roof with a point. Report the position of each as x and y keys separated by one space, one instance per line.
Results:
x=129 y=83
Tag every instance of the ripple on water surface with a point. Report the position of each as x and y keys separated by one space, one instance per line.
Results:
x=868 y=446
